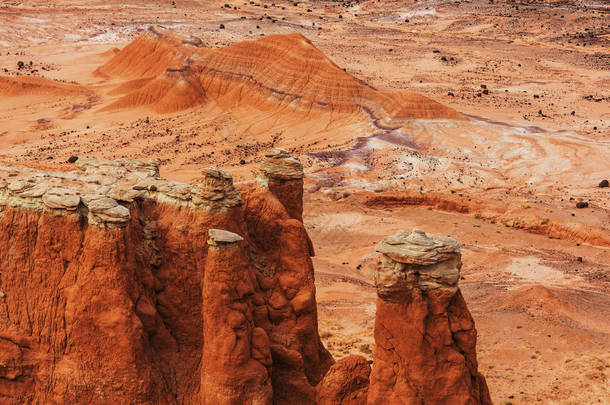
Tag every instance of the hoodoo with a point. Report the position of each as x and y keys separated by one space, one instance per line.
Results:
x=273 y=210
x=425 y=338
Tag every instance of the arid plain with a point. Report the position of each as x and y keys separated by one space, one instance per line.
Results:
x=520 y=137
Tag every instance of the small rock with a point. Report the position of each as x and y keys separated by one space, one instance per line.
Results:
x=218 y=237
x=582 y=204
x=72 y=159
x=603 y=184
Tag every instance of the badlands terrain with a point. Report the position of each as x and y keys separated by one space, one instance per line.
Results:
x=486 y=121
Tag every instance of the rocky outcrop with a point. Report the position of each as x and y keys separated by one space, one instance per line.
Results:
x=425 y=338
x=102 y=281
x=118 y=286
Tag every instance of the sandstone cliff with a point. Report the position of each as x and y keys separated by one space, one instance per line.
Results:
x=118 y=286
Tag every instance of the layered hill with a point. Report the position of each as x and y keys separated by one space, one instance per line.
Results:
x=37 y=86
x=275 y=73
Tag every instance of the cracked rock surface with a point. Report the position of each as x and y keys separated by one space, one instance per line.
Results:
x=102 y=189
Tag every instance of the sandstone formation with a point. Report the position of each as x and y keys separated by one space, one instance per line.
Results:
x=425 y=338
x=119 y=286
x=236 y=362
x=285 y=274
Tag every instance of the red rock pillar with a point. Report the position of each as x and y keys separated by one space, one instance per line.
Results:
x=425 y=338
x=236 y=363
x=282 y=252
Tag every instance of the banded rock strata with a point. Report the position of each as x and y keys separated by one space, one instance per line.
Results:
x=168 y=73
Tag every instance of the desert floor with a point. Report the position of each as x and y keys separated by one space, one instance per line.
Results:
x=533 y=80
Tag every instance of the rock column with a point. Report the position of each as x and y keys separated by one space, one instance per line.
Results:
x=236 y=363
x=282 y=254
x=425 y=338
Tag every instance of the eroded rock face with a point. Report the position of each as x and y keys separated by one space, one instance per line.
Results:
x=119 y=286
x=425 y=339
x=285 y=274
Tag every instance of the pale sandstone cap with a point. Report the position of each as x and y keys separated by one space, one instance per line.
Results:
x=279 y=164
x=100 y=189
x=219 y=237
x=418 y=247
x=416 y=260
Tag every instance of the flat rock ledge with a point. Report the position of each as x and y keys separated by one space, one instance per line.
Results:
x=417 y=260
x=102 y=189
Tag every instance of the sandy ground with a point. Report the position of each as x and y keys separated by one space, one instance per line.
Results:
x=533 y=79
